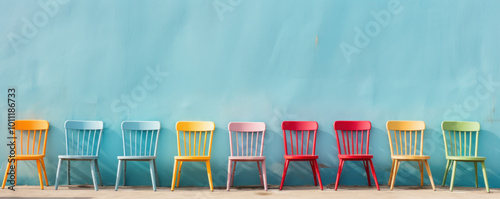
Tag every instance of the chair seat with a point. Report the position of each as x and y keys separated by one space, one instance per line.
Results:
x=139 y=158
x=192 y=158
x=410 y=157
x=247 y=158
x=356 y=157
x=28 y=157
x=78 y=157
x=466 y=158
x=301 y=157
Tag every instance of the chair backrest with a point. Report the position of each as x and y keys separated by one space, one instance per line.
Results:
x=355 y=137
x=35 y=137
x=463 y=134
x=140 y=138
x=244 y=134
x=296 y=128
x=198 y=132
x=83 y=137
x=406 y=137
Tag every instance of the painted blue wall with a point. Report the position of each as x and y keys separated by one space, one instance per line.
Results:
x=255 y=60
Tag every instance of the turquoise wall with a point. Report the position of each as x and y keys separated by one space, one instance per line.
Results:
x=253 y=60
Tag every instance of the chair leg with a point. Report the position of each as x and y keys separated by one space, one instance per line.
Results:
x=485 y=177
x=6 y=173
x=260 y=173
x=374 y=174
x=174 y=175
x=284 y=173
x=152 y=171
x=124 y=172
x=314 y=173
x=68 y=176
x=58 y=172
x=39 y=167
x=264 y=174
x=98 y=171
x=365 y=163
x=475 y=169
x=390 y=175
x=209 y=173
x=317 y=173
x=339 y=171
x=118 y=174
x=44 y=172
x=156 y=173
x=229 y=169
x=93 y=172
x=453 y=174
x=430 y=174
x=395 y=172
x=179 y=174
x=232 y=174
x=421 y=169
x=447 y=169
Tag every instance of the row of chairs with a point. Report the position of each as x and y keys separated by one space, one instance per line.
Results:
x=194 y=143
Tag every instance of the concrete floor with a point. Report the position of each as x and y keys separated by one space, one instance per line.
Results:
x=86 y=191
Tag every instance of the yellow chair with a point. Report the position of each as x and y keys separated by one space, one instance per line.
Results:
x=29 y=147
x=407 y=145
x=197 y=134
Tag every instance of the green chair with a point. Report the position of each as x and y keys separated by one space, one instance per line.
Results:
x=460 y=144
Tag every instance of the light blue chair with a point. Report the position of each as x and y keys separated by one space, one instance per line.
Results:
x=140 y=141
x=83 y=139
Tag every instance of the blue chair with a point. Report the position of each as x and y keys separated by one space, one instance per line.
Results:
x=140 y=141
x=83 y=139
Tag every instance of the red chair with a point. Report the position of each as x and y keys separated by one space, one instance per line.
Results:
x=298 y=131
x=354 y=145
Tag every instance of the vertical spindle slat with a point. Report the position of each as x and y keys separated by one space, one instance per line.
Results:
x=421 y=141
x=237 y=145
x=242 y=144
x=194 y=145
x=396 y=142
x=343 y=141
x=470 y=143
x=151 y=141
x=199 y=144
x=93 y=143
x=357 y=151
x=251 y=145
x=185 y=149
x=455 y=141
x=410 y=141
x=307 y=147
x=302 y=143
x=362 y=138
x=247 y=144
x=189 y=135
x=401 y=142
x=297 y=141
x=256 y=143
x=460 y=141
x=205 y=143
x=348 y=144
x=352 y=143
x=406 y=152
x=291 y=141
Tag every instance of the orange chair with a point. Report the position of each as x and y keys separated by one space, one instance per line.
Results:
x=197 y=134
x=29 y=147
x=405 y=147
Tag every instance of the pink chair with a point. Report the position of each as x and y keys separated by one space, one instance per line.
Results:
x=248 y=136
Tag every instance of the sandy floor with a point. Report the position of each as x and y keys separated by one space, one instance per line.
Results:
x=86 y=191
